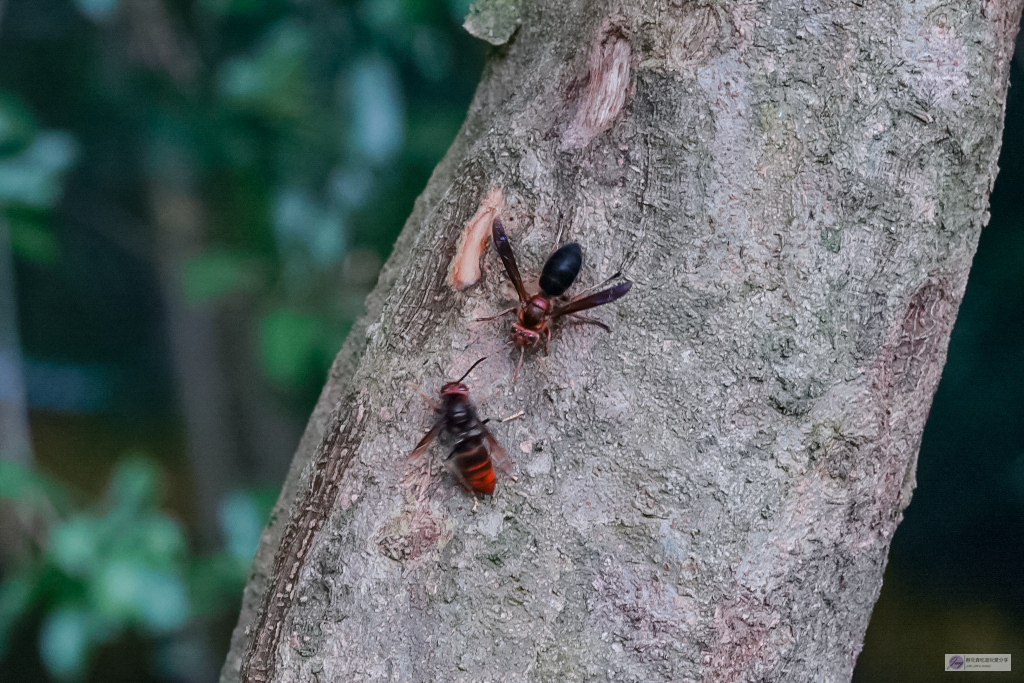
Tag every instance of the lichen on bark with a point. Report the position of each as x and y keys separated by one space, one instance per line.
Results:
x=493 y=20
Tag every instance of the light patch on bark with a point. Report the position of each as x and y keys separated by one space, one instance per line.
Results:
x=734 y=152
x=419 y=528
x=613 y=406
x=636 y=600
x=752 y=641
x=606 y=91
x=465 y=267
x=682 y=37
x=744 y=20
x=937 y=61
x=493 y=20
x=693 y=34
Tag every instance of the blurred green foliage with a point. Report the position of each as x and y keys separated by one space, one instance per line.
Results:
x=253 y=158
x=92 y=573
x=297 y=133
x=215 y=273
x=32 y=177
x=33 y=163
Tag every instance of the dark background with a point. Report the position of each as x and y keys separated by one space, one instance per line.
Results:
x=197 y=196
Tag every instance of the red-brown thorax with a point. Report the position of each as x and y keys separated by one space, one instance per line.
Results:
x=534 y=312
x=454 y=389
x=533 y=318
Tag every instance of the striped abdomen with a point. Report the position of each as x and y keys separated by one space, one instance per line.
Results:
x=472 y=462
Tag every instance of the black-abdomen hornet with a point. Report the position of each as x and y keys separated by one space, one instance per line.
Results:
x=535 y=313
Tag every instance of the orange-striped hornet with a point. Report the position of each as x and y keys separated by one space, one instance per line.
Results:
x=476 y=452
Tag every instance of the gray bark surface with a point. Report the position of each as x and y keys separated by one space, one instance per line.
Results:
x=709 y=492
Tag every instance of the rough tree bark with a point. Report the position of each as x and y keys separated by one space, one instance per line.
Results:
x=709 y=492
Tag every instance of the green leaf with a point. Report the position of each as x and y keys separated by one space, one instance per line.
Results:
x=459 y=9
x=378 y=110
x=432 y=51
x=126 y=590
x=289 y=344
x=237 y=7
x=164 y=602
x=15 y=600
x=215 y=273
x=302 y=224
x=33 y=178
x=99 y=11
x=159 y=541
x=215 y=583
x=17 y=125
x=75 y=545
x=272 y=81
x=32 y=237
x=31 y=490
x=16 y=480
x=135 y=485
x=384 y=16
x=431 y=130
x=241 y=524
x=65 y=642
x=115 y=591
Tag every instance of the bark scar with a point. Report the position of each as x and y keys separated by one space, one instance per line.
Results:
x=923 y=336
x=418 y=529
x=750 y=640
x=330 y=463
x=465 y=267
x=606 y=91
x=906 y=382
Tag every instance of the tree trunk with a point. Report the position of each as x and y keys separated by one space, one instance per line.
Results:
x=709 y=492
x=15 y=438
x=203 y=383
